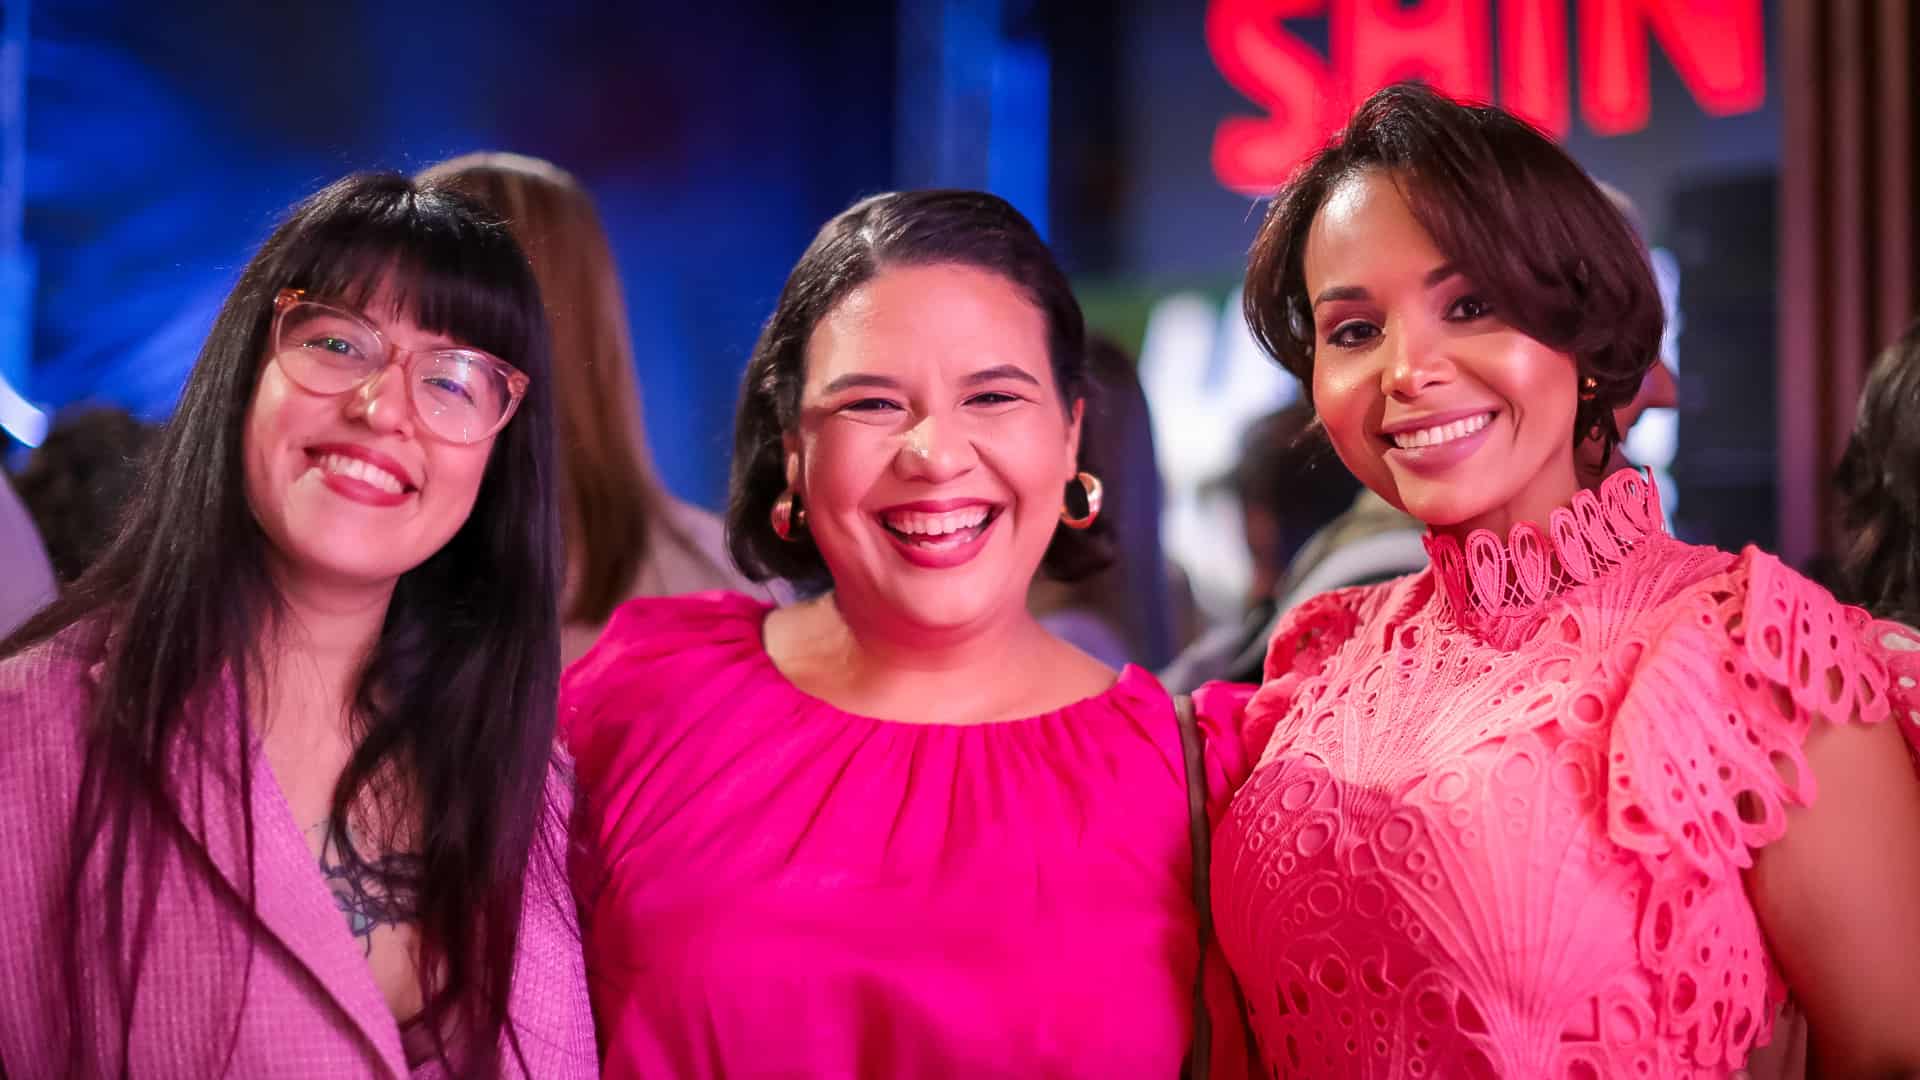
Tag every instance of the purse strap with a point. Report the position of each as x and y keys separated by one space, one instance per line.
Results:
x=1200 y=1058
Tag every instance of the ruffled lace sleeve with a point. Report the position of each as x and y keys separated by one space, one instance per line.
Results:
x=1899 y=647
x=1706 y=750
x=1715 y=703
x=1238 y=720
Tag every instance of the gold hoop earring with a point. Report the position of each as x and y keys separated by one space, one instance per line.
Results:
x=1082 y=504
x=1589 y=388
x=787 y=516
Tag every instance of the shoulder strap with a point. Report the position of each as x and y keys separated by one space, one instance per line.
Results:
x=1200 y=1059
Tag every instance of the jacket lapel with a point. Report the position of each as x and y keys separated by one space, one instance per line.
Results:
x=291 y=898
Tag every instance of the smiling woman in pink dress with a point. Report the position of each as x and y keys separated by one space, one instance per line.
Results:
x=895 y=830
x=1578 y=800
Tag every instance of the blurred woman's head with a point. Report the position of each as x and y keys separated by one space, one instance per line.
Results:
x=79 y=481
x=1464 y=302
x=370 y=412
x=1290 y=487
x=917 y=396
x=1878 y=481
x=609 y=495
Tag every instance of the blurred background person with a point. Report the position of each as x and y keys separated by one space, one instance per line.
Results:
x=1125 y=613
x=1878 y=482
x=626 y=535
x=1598 y=458
x=77 y=483
x=27 y=581
x=1291 y=487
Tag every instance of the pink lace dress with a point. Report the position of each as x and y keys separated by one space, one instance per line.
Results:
x=771 y=886
x=1501 y=806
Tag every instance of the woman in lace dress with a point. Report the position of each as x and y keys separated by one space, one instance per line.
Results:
x=1579 y=799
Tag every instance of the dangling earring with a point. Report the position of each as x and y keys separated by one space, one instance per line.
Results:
x=1082 y=503
x=786 y=516
x=1589 y=390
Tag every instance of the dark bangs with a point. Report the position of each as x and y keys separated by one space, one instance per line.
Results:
x=444 y=261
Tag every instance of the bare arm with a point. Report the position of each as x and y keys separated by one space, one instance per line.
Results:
x=1839 y=900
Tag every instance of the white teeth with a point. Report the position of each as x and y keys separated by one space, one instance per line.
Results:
x=913 y=523
x=366 y=472
x=1441 y=433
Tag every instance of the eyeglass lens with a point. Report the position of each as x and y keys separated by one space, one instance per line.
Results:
x=459 y=394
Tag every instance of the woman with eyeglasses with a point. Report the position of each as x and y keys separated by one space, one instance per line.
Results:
x=278 y=794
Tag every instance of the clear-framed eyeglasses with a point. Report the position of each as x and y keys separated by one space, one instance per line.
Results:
x=460 y=395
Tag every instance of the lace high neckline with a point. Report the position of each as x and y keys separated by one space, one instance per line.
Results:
x=1495 y=585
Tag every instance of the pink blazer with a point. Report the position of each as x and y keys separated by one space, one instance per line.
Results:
x=310 y=1005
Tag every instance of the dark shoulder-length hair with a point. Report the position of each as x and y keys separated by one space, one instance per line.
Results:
x=904 y=228
x=1878 y=481
x=454 y=711
x=1509 y=209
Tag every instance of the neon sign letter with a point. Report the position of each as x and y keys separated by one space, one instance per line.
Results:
x=1441 y=42
x=1281 y=74
x=1717 y=46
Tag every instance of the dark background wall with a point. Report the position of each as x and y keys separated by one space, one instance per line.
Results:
x=164 y=140
x=161 y=145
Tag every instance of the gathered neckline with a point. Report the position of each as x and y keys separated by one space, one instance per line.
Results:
x=1132 y=682
x=1491 y=584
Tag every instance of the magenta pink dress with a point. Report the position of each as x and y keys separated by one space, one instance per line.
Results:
x=1501 y=806
x=771 y=886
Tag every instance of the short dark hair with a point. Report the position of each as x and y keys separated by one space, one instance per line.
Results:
x=1878 y=481
x=1508 y=207
x=902 y=228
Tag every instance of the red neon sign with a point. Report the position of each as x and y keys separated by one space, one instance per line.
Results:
x=1716 y=46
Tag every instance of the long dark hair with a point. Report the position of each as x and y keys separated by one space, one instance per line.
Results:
x=1510 y=209
x=1878 y=481
x=902 y=228
x=456 y=701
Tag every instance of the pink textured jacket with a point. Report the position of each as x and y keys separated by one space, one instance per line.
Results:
x=310 y=1006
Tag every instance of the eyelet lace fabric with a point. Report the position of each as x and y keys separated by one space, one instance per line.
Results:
x=1498 y=826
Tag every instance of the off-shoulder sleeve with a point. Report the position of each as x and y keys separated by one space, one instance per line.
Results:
x=1238 y=720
